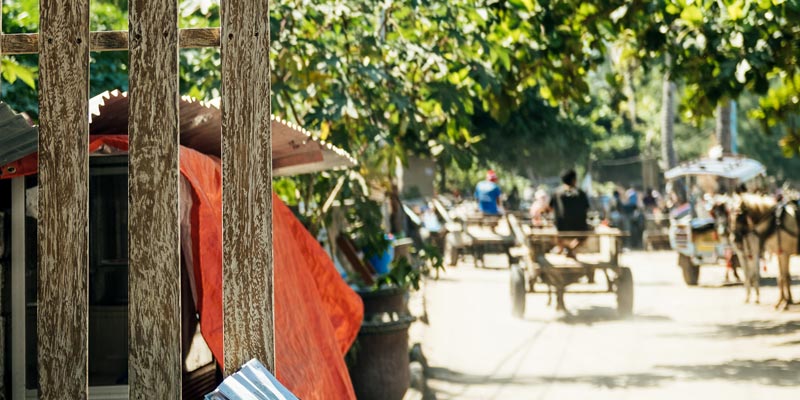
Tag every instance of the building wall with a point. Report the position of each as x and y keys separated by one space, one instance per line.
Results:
x=417 y=179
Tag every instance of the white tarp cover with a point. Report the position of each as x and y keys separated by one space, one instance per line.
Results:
x=730 y=167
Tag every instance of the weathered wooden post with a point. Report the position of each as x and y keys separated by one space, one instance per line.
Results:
x=247 y=184
x=63 y=319
x=2 y=278
x=153 y=40
x=154 y=364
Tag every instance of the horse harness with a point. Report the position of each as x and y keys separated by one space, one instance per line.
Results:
x=770 y=223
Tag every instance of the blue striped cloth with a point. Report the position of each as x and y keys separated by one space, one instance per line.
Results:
x=252 y=382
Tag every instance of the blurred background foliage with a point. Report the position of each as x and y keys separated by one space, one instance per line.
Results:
x=524 y=86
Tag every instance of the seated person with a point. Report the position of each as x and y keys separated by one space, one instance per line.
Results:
x=487 y=193
x=540 y=206
x=570 y=206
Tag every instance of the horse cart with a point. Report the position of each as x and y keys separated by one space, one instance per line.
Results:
x=557 y=275
x=474 y=235
x=656 y=232
x=698 y=228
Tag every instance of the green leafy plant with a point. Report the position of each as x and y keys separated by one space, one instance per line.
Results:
x=407 y=273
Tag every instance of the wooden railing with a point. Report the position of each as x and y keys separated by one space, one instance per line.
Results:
x=153 y=40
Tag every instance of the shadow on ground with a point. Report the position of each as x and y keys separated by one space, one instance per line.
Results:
x=593 y=315
x=772 y=281
x=766 y=372
x=596 y=314
x=654 y=283
x=769 y=281
x=747 y=329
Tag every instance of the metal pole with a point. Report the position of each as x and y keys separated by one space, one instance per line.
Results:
x=18 y=317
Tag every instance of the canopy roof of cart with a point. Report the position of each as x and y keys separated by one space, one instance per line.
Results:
x=295 y=150
x=730 y=167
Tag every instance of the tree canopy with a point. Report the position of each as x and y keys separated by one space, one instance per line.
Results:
x=511 y=81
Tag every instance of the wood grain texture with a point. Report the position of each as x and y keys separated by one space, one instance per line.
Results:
x=3 y=348
x=63 y=319
x=247 y=184
x=154 y=366
x=19 y=255
x=200 y=37
x=28 y=43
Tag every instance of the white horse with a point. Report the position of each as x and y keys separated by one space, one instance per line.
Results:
x=759 y=223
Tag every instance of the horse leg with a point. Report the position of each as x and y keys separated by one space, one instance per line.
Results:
x=754 y=263
x=560 y=299
x=745 y=263
x=754 y=276
x=786 y=289
x=780 y=291
x=747 y=283
x=758 y=292
x=732 y=266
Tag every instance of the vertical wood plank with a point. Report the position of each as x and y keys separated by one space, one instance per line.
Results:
x=247 y=184
x=154 y=240
x=3 y=348
x=63 y=199
x=18 y=317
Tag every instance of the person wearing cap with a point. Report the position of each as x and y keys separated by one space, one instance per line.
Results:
x=488 y=193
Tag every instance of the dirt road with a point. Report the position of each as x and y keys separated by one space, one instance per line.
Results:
x=682 y=343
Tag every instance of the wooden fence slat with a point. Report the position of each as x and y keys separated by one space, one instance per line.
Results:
x=154 y=240
x=28 y=43
x=247 y=184
x=18 y=332
x=3 y=347
x=63 y=199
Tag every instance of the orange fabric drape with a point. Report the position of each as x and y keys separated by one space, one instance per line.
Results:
x=29 y=164
x=317 y=316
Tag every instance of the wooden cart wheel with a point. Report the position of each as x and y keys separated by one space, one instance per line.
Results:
x=691 y=272
x=517 y=289
x=624 y=285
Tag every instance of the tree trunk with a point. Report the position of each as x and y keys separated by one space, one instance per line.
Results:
x=442 y=176
x=668 y=123
x=723 y=130
x=397 y=212
x=630 y=93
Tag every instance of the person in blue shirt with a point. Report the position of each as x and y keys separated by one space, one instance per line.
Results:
x=487 y=193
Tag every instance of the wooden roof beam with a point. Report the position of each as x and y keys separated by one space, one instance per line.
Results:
x=28 y=43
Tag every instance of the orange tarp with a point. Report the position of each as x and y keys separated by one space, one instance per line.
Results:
x=29 y=164
x=317 y=316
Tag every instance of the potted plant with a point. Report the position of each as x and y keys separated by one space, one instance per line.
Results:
x=379 y=360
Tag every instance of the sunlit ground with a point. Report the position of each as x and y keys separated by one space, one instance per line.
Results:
x=682 y=343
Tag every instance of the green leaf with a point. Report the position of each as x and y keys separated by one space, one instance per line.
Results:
x=672 y=9
x=525 y=4
x=736 y=10
x=13 y=71
x=692 y=14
